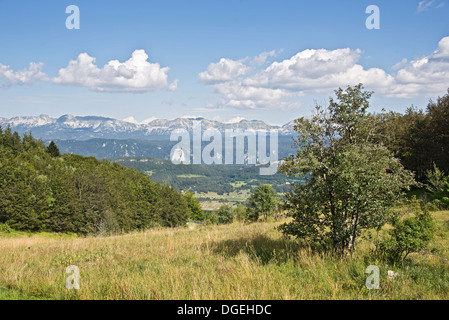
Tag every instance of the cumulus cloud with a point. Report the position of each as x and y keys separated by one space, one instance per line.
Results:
x=279 y=85
x=318 y=71
x=282 y=83
x=224 y=70
x=231 y=81
x=133 y=75
x=240 y=95
x=27 y=76
x=428 y=75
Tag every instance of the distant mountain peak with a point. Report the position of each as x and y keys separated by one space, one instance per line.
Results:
x=70 y=127
x=29 y=121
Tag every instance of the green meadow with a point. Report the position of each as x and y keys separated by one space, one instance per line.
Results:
x=236 y=261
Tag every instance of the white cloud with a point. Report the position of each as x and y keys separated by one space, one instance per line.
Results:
x=424 y=5
x=262 y=58
x=426 y=76
x=224 y=70
x=27 y=76
x=400 y=64
x=427 y=4
x=281 y=84
x=239 y=95
x=133 y=75
x=318 y=71
x=443 y=49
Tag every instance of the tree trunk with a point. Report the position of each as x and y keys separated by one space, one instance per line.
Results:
x=351 y=244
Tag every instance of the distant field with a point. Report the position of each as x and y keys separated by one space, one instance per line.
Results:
x=213 y=201
x=238 y=184
x=237 y=261
x=239 y=195
x=188 y=176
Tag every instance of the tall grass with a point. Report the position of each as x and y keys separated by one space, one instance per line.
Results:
x=235 y=261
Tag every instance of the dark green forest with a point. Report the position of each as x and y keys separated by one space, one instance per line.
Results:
x=42 y=190
x=419 y=138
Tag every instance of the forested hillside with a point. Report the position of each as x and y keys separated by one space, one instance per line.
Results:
x=420 y=138
x=152 y=147
x=42 y=190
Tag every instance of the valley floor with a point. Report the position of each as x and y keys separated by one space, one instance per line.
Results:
x=237 y=261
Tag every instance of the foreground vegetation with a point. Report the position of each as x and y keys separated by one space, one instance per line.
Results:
x=236 y=261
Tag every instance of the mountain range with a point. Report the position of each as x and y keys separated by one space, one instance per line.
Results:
x=109 y=138
x=69 y=127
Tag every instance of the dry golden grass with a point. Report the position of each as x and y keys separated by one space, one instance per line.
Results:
x=235 y=261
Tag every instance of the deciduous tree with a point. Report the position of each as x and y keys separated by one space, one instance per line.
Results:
x=351 y=181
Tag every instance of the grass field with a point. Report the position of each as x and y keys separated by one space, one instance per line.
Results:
x=189 y=176
x=234 y=261
x=238 y=184
x=213 y=201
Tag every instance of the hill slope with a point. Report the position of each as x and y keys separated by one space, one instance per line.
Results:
x=43 y=191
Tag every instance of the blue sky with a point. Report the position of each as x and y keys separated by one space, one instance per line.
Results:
x=223 y=60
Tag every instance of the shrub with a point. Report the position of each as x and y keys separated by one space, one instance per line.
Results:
x=4 y=227
x=252 y=214
x=225 y=214
x=196 y=213
x=211 y=218
x=442 y=196
x=241 y=213
x=263 y=201
x=438 y=185
x=409 y=234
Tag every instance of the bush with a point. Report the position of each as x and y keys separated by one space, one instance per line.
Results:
x=4 y=227
x=196 y=213
x=441 y=197
x=263 y=201
x=241 y=213
x=409 y=234
x=252 y=214
x=432 y=206
x=225 y=214
x=211 y=218
x=438 y=185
